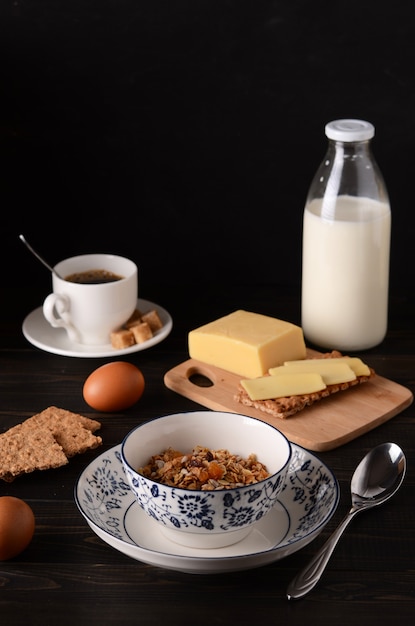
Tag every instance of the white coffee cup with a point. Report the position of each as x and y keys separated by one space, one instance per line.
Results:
x=89 y=312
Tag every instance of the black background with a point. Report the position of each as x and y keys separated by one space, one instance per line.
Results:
x=184 y=134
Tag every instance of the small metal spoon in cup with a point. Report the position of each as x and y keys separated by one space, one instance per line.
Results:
x=377 y=477
x=37 y=255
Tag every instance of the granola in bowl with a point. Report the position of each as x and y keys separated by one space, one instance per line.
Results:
x=204 y=469
x=186 y=511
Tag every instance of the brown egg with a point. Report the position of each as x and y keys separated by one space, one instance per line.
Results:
x=114 y=387
x=17 y=526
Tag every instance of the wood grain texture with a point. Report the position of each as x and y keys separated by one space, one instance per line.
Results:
x=327 y=424
x=70 y=576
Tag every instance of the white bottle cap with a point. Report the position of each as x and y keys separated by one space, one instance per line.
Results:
x=349 y=130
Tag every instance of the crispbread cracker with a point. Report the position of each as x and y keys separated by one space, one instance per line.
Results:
x=45 y=441
x=288 y=406
x=72 y=431
x=24 y=450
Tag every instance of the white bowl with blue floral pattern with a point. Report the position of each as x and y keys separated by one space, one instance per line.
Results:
x=198 y=518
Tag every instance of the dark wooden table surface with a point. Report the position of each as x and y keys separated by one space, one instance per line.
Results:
x=69 y=576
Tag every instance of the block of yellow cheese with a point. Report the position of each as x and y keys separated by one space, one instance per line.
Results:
x=247 y=343
x=283 y=385
x=332 y=373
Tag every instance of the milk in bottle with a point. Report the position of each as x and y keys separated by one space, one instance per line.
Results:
x=346 y=241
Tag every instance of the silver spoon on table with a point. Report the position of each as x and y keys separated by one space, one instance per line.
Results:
x=41 y=259
x=377 y=477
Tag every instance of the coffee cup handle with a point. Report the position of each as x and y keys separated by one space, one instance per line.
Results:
x=56 y=310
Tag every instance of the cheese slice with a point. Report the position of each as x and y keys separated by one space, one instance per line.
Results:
x=247 y=343
x=355 y=363
x=284 y=385
x=332 y=373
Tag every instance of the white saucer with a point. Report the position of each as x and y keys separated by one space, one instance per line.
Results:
x=308 y=501
x=42 y=335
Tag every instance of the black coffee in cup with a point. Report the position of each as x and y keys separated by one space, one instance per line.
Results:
x=93 y=277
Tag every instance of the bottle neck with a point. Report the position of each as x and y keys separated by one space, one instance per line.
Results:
x=348 y=169
x=350 y=149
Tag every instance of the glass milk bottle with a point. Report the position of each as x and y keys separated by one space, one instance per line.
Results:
x=346 y=242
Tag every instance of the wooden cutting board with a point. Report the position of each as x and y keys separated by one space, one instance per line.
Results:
x=327 y=424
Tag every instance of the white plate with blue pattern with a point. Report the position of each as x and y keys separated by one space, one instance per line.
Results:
x=307 y=502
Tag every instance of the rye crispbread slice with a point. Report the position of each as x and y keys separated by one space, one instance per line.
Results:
x=289 y=406
x=72 y=431
x=22 y=451
x=45 y=441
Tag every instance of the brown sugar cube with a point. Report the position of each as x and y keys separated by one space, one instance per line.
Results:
x=153 y=320
x=142 y=332
x=122 y=339
x=134 y=318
